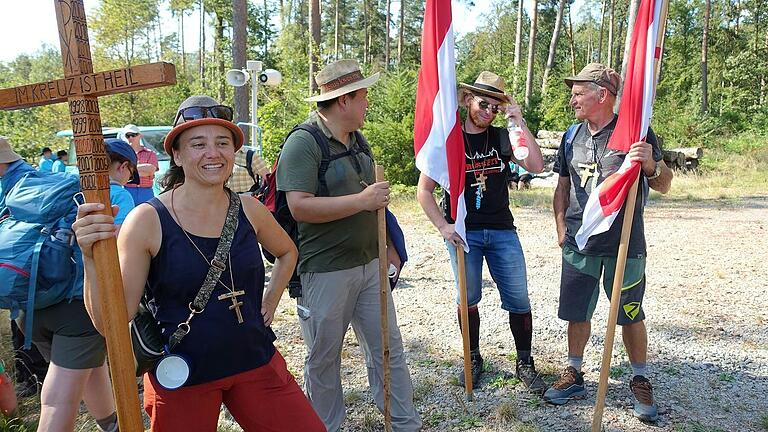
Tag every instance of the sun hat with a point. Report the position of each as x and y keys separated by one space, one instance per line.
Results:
x=7 y=155
x=131 y=128
x=599 y=74
x=209 y=108
x=115 y=145
x=339 y=78
x=487 y=83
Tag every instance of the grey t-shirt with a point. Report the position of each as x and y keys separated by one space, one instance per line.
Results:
x=590 y=150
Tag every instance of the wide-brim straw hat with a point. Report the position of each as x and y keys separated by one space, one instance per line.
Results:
x=488 y=84
x=339 y=78
x=7 y=155
x=182 y=125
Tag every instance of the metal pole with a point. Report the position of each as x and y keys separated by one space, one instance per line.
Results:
x=255 y=142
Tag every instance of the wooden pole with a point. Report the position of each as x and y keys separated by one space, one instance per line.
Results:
x=384 y=302
x=464 y=321
x=621 y=262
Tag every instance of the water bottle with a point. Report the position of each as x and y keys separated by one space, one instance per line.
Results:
x=8 y=400
x=517 y=139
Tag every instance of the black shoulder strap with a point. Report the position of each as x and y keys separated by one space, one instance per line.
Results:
x=248 y=162
x=325 y=151
x=363 y=144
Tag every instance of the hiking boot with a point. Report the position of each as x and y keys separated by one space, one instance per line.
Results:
x=645 y=406
x=526 y=372
x=569 y=386
x=477 y=370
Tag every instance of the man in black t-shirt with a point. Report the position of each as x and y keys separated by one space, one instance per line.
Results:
x=583 y=162
x=491 y=233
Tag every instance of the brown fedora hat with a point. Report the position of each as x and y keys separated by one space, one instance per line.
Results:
x=489 y=84
x=339 y=78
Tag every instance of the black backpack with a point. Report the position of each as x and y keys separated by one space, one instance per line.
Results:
x=276 y=201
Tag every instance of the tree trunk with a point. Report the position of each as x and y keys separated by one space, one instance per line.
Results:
x=239 y=36
x=314 y=43
x=553 y=46
x=633 y=5
x=611 y=20
x=266 y=27
x=518 y=42
x=704 y=36
x=531 y=53
x=617 y=49
x=366 y=42
x=201 y=53
x=183 y=52
x=219 y=42
x=573 y=48
x=281 y=13
x=602 y=27
x=336 y=32
x=401 y=34
x=386 y=35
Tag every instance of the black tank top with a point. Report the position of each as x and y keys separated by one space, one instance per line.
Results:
x=216 y=346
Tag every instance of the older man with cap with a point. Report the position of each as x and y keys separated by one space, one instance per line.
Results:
x=491 y=232
x=584 y=161
x=147 y=165
x=338 y=259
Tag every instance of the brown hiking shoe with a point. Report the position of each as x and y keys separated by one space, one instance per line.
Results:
x=526 y=372
x=569 y=386
x=645 y=406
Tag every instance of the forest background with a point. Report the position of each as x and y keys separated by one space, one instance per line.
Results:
x=713 y=89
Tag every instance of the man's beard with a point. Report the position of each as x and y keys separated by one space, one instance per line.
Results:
x=474 y=117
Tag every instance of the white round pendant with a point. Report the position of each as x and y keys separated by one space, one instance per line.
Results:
x=172 y=371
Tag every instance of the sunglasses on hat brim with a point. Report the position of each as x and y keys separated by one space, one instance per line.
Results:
x=222 y=112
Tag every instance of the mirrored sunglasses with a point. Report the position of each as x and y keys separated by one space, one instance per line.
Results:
x=222 y=112
x=485 y=105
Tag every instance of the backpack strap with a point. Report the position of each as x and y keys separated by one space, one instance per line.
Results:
x=31 y=293
x=248 y=162
x=570 y=134
x=325 y=151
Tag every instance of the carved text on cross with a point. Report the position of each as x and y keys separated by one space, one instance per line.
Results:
x=480 y=181
x=235 y=303
x=587 y=170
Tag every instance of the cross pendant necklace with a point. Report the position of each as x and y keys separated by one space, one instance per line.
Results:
x=232 y=294
x=588 y=170
x=480 y=188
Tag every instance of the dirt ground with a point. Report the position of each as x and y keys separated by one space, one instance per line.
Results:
x=705 y=306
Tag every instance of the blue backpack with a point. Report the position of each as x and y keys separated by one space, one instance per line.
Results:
x=40 y=262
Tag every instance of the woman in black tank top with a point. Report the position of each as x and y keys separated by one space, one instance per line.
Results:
x=167 y=246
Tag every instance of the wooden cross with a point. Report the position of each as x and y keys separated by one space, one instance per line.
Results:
x=587 y=170
x=80 y=87
x=235 y=303
x=480 y=181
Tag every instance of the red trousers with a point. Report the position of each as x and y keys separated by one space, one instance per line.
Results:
x=263 y=399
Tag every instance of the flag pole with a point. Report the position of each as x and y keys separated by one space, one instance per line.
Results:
x=384 y=303
x=621 y=261
x=464 y=307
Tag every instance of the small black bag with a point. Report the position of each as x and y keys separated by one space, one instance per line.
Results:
x=146 y=340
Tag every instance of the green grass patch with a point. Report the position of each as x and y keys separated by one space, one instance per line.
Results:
x=617 y=372
x=469 y=421
x=14 y=425
x=500 y=381
x=434 y=419
x=506 y=413
x=764 y=422
x=726 y=377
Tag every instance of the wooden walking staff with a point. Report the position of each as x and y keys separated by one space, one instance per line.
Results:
x=464 y=307
x=384 y=302
x=621 y=262
x=80 y=88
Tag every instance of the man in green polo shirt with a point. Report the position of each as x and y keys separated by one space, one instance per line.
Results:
x=338 y=251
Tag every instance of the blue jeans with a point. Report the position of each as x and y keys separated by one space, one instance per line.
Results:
x=506 y=262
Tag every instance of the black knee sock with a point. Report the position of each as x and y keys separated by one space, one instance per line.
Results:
x=522 y=330
x=474 y=327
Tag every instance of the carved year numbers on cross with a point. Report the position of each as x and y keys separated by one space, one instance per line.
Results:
x=81 y=87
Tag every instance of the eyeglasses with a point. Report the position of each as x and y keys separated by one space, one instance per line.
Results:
x=485 y=105
x=195 y=113
x=131 y=135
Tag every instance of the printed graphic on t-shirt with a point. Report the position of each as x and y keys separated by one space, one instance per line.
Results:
x=486 y=163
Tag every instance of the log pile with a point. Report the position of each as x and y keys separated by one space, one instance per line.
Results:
x=686 y=158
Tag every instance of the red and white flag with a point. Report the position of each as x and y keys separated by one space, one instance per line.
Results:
x=635 y=110
x=437 y=140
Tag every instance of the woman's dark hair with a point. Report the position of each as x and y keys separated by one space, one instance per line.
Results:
x=328 y=103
